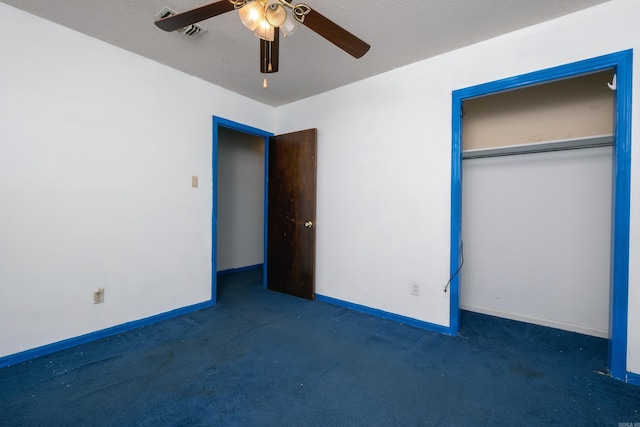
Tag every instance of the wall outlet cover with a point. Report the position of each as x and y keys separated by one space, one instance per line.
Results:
x=98 y=296
x=415 y=288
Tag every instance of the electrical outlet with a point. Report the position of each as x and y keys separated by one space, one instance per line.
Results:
x=98 y=296
x=415 y=288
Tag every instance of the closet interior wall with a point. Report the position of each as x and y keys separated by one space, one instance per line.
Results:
x=536 y=211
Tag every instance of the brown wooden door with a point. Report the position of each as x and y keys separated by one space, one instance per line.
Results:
x=291 y=215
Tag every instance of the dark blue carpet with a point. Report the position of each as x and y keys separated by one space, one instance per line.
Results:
x=260 y=358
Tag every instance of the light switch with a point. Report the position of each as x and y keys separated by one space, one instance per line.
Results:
x=194 y=181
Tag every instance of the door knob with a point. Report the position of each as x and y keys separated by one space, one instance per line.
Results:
x=308 y=224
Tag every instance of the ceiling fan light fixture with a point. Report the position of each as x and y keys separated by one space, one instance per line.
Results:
x=275 y=13
x=265 y=31
x=251 y=14
x=289 y=26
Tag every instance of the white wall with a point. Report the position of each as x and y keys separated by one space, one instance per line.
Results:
x=240 y=199
x=537 y=238
x=384 y=163
x=96 y=157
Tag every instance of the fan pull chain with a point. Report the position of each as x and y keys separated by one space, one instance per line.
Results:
x=269 y=53
x=264 y=82
x=268 y=67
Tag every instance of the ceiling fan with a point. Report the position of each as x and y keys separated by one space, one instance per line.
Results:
x=269 y=18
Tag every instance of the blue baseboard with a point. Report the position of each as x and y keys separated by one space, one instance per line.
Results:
x=633 y=379
x=239 y=269
x=386 y=315
x=26 y=355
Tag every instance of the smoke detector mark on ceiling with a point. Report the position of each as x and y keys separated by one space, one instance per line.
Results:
x=192 y=31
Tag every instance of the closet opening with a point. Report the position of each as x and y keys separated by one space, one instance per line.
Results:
x=619 y=64
x=536 y=204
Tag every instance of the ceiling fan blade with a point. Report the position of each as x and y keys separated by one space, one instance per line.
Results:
x=180 y=20
x=335 y=34
x=270 y=53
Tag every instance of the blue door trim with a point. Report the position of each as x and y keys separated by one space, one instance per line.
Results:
x=229 y=124
x=622 y=64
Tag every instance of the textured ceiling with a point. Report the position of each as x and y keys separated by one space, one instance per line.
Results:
x=227 y=55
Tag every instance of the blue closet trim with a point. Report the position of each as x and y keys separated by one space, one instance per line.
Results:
x=622 y=64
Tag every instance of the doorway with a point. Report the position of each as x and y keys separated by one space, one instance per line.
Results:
x=240 y=239
x=621 y=64
x=288 y=208
x=256 y=139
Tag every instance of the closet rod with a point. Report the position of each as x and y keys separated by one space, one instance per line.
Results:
x=544 y=147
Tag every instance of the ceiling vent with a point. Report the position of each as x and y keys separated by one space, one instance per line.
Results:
x=192 y=31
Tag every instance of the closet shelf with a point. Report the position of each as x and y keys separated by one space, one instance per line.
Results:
x=542 y=147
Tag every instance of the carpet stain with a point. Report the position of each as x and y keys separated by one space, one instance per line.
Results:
x=526 y=371
x=211 y=372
